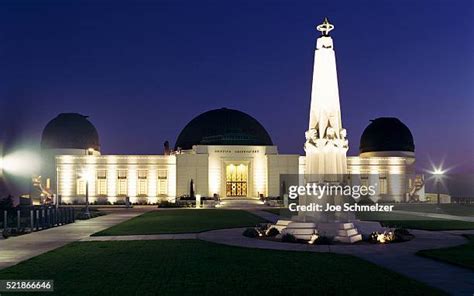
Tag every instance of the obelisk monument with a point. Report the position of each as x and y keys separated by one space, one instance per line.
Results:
x=326 y=144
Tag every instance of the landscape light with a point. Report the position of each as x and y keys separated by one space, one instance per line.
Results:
x=438 y=174
x=86 y=175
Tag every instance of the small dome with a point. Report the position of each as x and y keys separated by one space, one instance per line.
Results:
x=70 y=130
x=223 y=127
x=386 y=134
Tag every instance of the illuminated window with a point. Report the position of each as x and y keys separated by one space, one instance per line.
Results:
x=80 y=184
x=142 y=183
x=101 y=182
x=383 y=185
x=162 y=182
x=122 y=188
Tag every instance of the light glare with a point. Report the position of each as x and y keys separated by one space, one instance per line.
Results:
x=20 y=163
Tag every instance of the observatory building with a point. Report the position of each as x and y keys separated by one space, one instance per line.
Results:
x=228 y=153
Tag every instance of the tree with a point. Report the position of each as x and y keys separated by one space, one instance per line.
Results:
x=6 y=203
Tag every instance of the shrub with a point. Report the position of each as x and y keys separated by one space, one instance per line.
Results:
x=324 y=240
x=263 y=227
x=120 y=202
x=272 y=232
x=373 y=237
x=289 y=238
x=102 y=201
x=167 y=204
x=401 y=231
x=402 y=235
x=251 y=232
x=141 y=201
x=6 y=203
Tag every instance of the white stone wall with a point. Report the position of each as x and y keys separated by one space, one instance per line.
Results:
x=279 y=165
x=48 y=163
x=252 y=156
x=394 y=169
x=195 y=167
x=70 y=166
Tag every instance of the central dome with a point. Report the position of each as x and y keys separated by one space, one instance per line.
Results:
x=223 y=127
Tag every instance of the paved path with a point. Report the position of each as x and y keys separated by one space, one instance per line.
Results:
x=436 y=215
x=140 y=237
x=17 y=249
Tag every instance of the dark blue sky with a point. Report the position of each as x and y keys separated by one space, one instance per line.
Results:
x=143 y=70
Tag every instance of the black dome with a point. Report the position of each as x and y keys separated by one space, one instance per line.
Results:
x=70 y=130
x=386 y=134
x=223 y=127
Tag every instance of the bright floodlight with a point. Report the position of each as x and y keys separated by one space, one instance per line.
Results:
x=438 y=172
x=20 y=163
x=86 y=175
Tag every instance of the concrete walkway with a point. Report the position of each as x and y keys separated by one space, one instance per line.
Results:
x=140 y=237
x=18 y=249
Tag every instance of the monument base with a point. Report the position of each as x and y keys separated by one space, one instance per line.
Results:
x=344 y=232
x=300 y=230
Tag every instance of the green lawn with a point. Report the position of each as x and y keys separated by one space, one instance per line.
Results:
x=398 y=220
x=460 y=255
x=284 y=212
x=449 y=209
x=183 y=221
x=414 y=222
x=435 y=225
x=193 y=267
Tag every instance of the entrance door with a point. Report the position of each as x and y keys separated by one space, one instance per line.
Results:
x=236 y=180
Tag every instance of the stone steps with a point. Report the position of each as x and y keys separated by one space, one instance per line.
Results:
x=347 y=233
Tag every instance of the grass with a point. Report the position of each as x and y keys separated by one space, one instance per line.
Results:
x=434 y=225
x=414 y=222
x=449 y=209
x=284 y=212
x=398 y=220
x=183 y=221
x=462 y=255
x=193 y=267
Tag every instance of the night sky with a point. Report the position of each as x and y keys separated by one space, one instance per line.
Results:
x=141 y=71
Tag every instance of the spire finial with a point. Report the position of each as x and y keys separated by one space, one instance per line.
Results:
x=325 y=27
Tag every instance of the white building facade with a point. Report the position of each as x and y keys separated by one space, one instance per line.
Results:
x=229 y=154
x=227 y=171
